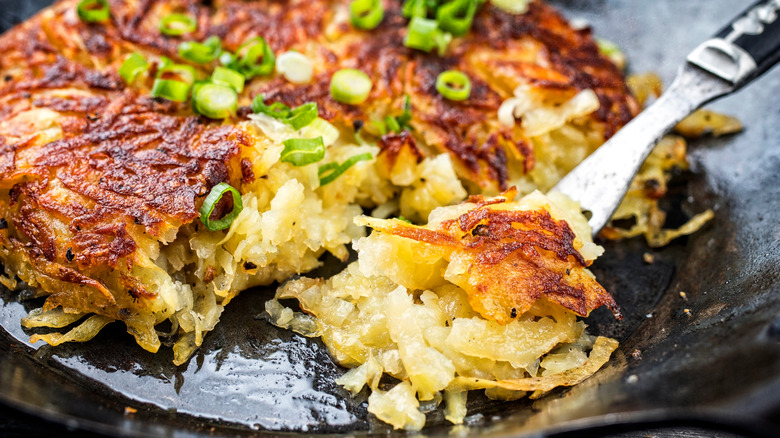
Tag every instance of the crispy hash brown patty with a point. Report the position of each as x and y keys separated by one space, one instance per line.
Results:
x=101 y=183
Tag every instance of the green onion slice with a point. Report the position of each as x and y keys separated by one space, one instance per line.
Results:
x=255 y=58
x=297 y=117
x=211 y=201
x=424 y=34
x=170 y=89
x=164 y=62
x=366 y=14
x=456 y=16
x=303 y=151
x=329 y=172
x=231 y=78
x=177 y=24
x=201 y=53
x=229 y=60
x=377 y=127
x=93 y=11
x=302 y=115
x=350 y=86
x=405 y=118
x=277 y=110
x=215 y=101
x=442 y=40
x=415 y=8
x=453 y=85
x=179 y=72
x=134 y=65
x=392 y=124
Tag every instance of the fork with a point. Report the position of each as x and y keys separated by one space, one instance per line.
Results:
x=743 y=50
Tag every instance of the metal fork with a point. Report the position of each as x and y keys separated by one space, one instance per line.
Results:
x=739 y=53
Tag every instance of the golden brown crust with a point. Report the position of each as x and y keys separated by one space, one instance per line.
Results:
x=511 y=258
x=502 y=50
x=90 y=168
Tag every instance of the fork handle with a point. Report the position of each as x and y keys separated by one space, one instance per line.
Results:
x=745 y=48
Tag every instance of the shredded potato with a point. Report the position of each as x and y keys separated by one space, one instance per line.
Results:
x=397 y=311
x=287 y=223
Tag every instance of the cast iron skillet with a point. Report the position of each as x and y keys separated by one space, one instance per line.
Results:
x=717 y=364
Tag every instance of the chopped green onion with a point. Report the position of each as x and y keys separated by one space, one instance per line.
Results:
x=231 y=78
x=329 y=172
x=320 y=127
x=277 y=110
x=297 y=118
x=613 y=52
x=420 y=34
x=442 y=40
x=350 y=86
x=134 y=65
x=255 y=58
x=93 y=11
x=403 y=219
x=406 y=115
x=295 y=67
x=180 y=72
x=211 y=201
x=453 y=85
x=392 y=124
x=178 y=24
x=201 y=53
x=170 y=89
x=215 y=101
x=196 y=86
x=303 y=151
x=366 y=14
x=229 y=60
x=378 y=127
x=415 y=8
x=512 y=6
x=456 y=16
x=164 y=62
x=302 y=115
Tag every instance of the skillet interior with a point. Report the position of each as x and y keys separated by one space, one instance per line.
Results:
x=721 y=361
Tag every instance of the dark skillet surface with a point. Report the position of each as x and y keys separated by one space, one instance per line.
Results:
x=719 y=364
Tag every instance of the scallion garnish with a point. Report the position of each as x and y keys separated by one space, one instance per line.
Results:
x=302 y=115
x=420 y=34
x=329 y=172
x=378 y=126
x=392 y=124
x=93 y=11
x=255 y=58
x=215 y=101
x=424 y=34
x=297 y=117
x=456 y=16
x=201 y=53
x=405 y=118
x=277 y=110
x=170 y=89
x=415 y=8
x=211 y=201
x=366 y=14
x=303 y=151
x=134 y=65
x=179 y=72
x=177 y=24
x=350 y=86
x=295 y=67
x=231 y=78
x=453 y=85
